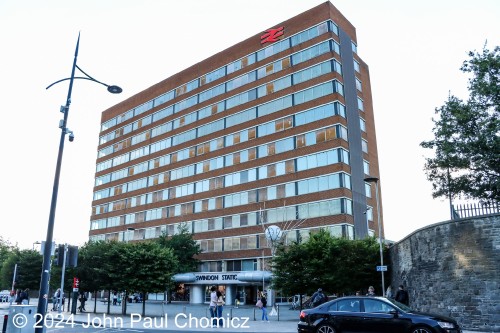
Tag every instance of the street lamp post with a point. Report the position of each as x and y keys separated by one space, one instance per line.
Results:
x=45 y=274
x=273 y=235
x=375 y=180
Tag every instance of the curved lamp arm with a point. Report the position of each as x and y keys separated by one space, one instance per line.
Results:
x=111 y=88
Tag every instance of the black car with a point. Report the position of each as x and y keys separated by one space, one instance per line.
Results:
x=371 y=314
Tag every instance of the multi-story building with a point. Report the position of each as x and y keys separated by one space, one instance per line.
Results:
x=275 y=130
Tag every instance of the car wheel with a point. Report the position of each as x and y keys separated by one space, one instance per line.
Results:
x=422 y=330
x=325 y=329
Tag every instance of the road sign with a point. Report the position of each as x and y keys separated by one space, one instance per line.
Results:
x=381 y=268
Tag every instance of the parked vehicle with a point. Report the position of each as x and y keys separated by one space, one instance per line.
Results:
x=5 y=296
x=135 y=298
x=371 y=314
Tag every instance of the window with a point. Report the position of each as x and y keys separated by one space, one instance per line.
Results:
x=347 y=305
x=356 y=66
x=364 y=146
x=354 y=47
x=372 y=305
x=366 y=167
x=358 y=85
x=362 y=124
x=360 y=104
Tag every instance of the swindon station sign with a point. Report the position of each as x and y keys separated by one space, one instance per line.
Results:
x=216 y=277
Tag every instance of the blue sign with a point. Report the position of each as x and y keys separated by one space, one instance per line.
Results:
x=381 y=268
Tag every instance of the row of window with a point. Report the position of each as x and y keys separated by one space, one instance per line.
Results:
x=261 y=110
x=274 y=192
x=271 y=87
x=271 y=148
x=225 y=70
x=280 y=191
x=284 y=214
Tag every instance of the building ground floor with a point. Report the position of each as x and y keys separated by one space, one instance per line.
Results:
x=238 y=288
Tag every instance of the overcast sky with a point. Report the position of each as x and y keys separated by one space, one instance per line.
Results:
x=414 y=50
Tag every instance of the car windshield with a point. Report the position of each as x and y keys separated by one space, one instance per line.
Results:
x=402 y=306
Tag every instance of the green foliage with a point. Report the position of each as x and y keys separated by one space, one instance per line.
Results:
x=6 y=249
x=149 y=267
x=467 y=135
x=337 y=265
x=99 y=266
x=135 y=267
x=184 y=248
x=28 y=273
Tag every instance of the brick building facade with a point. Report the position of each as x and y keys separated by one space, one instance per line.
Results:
x=275 y=130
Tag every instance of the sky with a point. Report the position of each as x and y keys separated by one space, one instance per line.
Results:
x=414 y=50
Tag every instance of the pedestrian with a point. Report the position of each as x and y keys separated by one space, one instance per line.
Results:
x=237 y=300
x=318 y=298
x=25 y=297
x=55 y=299
x=220 y=307
x=264 y=308
x=19 y=300
x=115 y=298
x=371 y=291
x=213 y=305
x=82 y=300
x=402 y=296
x=388 y=292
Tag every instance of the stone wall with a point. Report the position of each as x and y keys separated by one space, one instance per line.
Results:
x=453 y=268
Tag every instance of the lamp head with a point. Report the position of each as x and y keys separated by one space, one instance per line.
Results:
x=114 y=89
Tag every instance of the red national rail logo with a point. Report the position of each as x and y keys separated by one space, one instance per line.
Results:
x=272 y=35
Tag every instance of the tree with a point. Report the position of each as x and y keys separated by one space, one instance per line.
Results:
x=467 y=135
x=149 y=268
x=28 y=271
x=6 y=249
x=99 y=266
x=184 y=248
x=338 y=265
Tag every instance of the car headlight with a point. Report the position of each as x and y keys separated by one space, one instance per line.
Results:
x=445 y=324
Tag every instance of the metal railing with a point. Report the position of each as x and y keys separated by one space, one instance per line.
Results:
x=474 y=209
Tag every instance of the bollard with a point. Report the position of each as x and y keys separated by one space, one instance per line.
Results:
x=5 y=320
x=231 y=313
x=278 y=309
x=184 y=309
x=254 y=315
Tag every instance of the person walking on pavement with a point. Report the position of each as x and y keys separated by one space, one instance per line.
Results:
x=317 y=298
x=402 y=296
x=237 y=300
x=220 y=307
x=55 y=299
x=213 y=305
x=82 y=300
x=371 y=291
x=263 y=299
x=19 y=297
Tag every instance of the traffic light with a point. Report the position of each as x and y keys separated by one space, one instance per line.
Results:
x=59 y=255
x=72 y=256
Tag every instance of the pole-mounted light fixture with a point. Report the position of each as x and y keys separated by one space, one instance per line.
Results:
x=376 y=180
x=44 y=281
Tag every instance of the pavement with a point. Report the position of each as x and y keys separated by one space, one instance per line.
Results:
x=176 y=316
x=180 y=316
